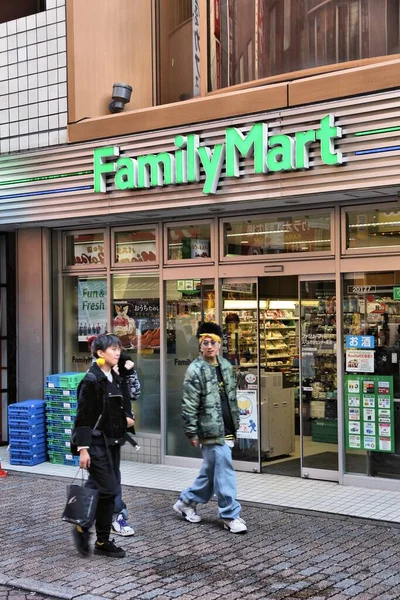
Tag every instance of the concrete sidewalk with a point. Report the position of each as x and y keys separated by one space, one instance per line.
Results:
x=287 y=553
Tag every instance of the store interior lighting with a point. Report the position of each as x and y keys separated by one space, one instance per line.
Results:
x=244 y=304
x=282 y=304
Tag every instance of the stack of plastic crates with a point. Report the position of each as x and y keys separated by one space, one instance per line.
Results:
x=27 y=432
x=61 y=405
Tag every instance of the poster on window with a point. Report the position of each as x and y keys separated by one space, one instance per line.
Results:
x=137 y=323
x=200 y=248
x=247 y=402
x=92 y=308
x=246 y=395
x=360 y=361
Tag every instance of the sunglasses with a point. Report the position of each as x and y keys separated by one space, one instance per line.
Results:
x=209 y=343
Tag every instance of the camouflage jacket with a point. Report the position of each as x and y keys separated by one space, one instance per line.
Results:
x=201 y=404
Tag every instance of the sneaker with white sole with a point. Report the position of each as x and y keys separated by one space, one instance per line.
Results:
x=235 y=525
x=187 y=511
x=121 y=527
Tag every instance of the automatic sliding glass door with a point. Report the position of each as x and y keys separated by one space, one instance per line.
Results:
x=187 y=303
x=318 y=376
x=240 y=323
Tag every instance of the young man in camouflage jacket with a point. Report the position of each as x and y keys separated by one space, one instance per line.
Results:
x=211 y=419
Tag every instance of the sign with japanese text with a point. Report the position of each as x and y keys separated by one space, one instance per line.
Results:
x=360 y=341
x=137 y=323
x=360 y=361
x=369 y=414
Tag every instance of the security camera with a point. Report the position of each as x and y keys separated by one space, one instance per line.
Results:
x=121 y=95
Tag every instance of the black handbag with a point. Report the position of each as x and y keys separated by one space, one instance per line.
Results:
x=81 y=505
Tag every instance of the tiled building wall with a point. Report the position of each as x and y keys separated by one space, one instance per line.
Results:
x=33 y=80
x=149 y=449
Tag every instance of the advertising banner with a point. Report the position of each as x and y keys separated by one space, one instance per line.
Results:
x=92 y=308
x=137 y=323
x=369 y=413
x=247 y=401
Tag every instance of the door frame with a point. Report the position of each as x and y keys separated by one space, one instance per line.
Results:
x=307 y=472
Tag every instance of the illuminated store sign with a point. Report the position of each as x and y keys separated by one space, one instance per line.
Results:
x=271 y=154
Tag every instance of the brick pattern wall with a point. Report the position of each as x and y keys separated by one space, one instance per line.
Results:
x=33 y=80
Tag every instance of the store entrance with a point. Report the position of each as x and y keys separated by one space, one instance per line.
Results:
x=278 y=331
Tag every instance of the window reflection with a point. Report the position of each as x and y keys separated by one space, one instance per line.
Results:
x=189 y=242
x=251 y=40
x=84 y=249
x=135 y=246
x=286 y=234
x=375 y=228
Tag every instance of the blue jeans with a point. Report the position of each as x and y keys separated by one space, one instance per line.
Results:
x=218 y=477
x=119 y=504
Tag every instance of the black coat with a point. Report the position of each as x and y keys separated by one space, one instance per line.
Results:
x=94 y=409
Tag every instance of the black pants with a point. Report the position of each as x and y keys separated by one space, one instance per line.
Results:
x=104 y=477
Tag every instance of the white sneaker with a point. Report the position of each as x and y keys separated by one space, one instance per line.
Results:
x=121 y=527
x=235 y=525
x=188 y=512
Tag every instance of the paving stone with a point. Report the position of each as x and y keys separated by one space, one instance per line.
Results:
x=286 y=554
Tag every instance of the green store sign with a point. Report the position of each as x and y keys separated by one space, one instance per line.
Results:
x=271 y=154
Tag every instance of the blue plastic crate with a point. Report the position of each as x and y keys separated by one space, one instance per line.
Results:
x=27 y=420
x=27 y=451
x=26 y=435
x=28 y=408
x=26 y=428
x=28 y=461
x=26 y=440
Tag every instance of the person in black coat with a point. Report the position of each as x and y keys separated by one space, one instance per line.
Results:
x=99 y=432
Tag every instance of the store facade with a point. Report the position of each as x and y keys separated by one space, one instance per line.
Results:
x=283 y=226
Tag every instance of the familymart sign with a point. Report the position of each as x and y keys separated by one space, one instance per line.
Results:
x=271 y=154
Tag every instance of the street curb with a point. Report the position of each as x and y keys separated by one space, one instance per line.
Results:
x=56 y=591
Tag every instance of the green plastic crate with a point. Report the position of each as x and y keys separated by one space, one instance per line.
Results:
x=64 y=380
x=59 y=429
x=324 y=430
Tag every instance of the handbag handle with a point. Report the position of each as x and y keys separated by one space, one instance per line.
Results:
x=76 y=476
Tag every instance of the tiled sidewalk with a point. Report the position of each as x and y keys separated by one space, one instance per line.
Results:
x=274 y=490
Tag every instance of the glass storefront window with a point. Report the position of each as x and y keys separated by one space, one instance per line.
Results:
x=84 y=249
x=136 y=321
x=285 y=234
x=185 y=308
x=135 y=246
x=189 y=242
x=251 y=40
x=372 y=228
x=85 y=314
x=371 y=345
